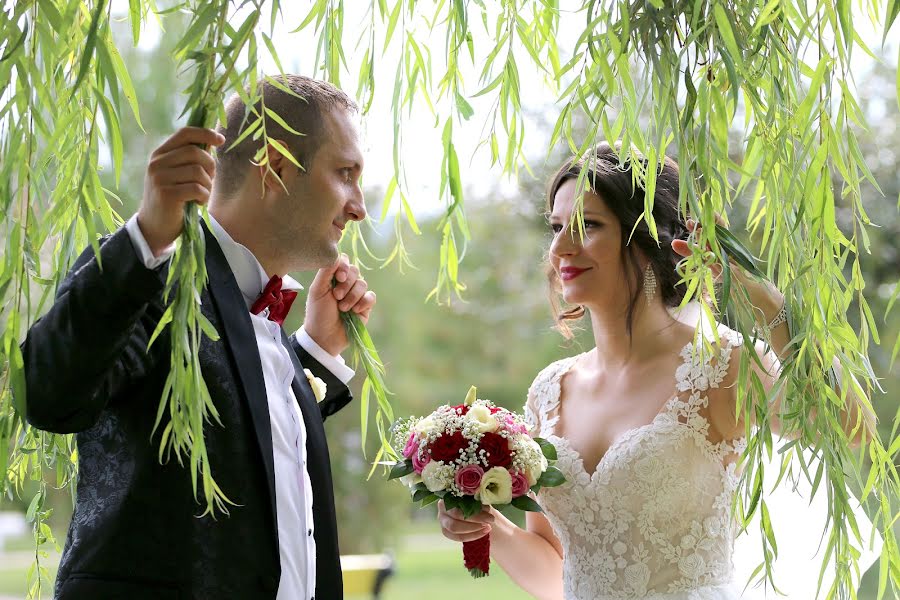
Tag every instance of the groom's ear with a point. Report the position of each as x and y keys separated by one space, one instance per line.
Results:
x=273 y=163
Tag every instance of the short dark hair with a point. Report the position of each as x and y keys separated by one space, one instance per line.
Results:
x=612 y=181
x=302 y=112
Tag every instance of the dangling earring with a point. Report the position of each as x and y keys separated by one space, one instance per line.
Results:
x=649 y=284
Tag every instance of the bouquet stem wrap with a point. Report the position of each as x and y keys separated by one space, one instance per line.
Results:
x=477 y=556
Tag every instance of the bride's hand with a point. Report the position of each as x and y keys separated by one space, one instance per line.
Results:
x=684 y=248
x=762 y=293
x=459 y=529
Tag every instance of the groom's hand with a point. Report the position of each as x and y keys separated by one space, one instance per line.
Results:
x=324 y=304
x=459 y=529
x=180 y=171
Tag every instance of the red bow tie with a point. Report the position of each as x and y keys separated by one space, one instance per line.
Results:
x=278 y=301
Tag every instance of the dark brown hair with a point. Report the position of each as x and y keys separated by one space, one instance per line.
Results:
x=613 y=183
x=303 y=111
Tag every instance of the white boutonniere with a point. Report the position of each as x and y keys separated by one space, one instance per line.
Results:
x=318 y=386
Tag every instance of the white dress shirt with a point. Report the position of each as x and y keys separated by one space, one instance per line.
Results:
x=293 y=491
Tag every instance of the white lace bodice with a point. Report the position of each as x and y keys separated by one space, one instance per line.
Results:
x=653 y=519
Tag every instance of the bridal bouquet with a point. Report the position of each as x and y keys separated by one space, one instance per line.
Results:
x=470 y=456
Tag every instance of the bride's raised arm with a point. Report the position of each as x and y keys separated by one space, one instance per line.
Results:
x=774 y=349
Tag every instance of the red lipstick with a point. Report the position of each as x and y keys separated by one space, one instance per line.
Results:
x=569 y=273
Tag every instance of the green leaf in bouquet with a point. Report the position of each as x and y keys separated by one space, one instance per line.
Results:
x=506 y=510
x=400 y=469
x=451 y=501
x=469 y=506
x=430 y=499
x=552 y=477
x=526 y=503
x=421 y=495
x=548 y=449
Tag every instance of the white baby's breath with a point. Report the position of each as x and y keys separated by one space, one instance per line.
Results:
x=437 y=476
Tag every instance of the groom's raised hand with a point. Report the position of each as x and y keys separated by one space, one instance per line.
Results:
x=180 y=171
x=324 y=304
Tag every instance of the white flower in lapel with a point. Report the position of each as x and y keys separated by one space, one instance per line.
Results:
x=319 y=387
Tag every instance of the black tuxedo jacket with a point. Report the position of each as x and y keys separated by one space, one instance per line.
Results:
x=136 y=532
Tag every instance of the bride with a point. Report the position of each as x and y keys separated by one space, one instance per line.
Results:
x=644 y=423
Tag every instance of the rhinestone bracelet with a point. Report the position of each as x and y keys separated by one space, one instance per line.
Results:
x=780 y=317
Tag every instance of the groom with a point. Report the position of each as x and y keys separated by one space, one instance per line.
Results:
x=135 y=532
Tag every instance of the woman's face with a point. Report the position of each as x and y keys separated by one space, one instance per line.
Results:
x=590 y=269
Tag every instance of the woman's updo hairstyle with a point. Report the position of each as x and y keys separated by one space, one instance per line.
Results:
x=613 y=183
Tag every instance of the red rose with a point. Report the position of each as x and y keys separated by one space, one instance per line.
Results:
x=497 y=448
x=495 y=410
x=460 y=409
x=447 y=447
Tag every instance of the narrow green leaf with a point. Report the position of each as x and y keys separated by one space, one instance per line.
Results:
x=89 y=43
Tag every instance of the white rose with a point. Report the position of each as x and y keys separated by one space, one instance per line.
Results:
x=496 y=487
x=434 y=476
x=481 y=416
x=319 y=387
x=425 y=426
x=411 y=480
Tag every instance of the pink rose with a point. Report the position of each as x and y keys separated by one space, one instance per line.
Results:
x=519 y=484
x=419 y=460
x=412 y=446
x=468 y=479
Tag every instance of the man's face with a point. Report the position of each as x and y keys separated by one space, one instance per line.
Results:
x=321 y=201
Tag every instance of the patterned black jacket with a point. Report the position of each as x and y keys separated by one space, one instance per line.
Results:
x=136 y=532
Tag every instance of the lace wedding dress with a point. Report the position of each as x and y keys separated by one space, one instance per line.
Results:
x=652 y=520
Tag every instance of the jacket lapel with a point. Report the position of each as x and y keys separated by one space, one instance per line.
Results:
x=241 y=341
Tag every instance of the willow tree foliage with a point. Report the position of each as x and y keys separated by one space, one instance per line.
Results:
x=755 y=99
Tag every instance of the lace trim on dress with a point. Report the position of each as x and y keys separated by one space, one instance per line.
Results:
x=654 y=515
x=543 y=397
x=696 y=375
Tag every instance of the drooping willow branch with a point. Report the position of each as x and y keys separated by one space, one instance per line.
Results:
x=186 y=406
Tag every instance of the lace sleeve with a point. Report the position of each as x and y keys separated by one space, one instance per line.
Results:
x=532 y=420
x=541 y=406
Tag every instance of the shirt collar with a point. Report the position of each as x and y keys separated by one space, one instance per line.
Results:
x=251 y=277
